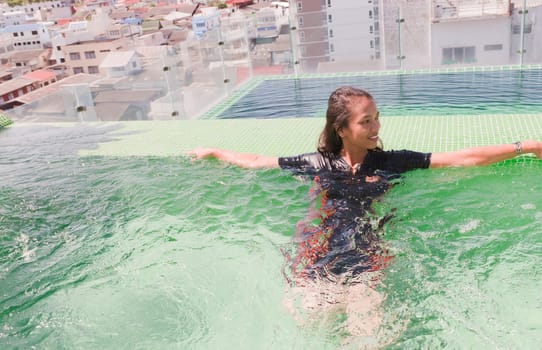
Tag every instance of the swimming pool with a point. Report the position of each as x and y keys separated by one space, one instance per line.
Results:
x=110 y=239
x=498 y=91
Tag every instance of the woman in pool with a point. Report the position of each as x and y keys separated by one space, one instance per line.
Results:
x=350 y=169
x=339 y=241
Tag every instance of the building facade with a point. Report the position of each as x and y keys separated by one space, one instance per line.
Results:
x=341 y=31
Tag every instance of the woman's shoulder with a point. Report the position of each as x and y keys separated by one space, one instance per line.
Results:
x=312 y=160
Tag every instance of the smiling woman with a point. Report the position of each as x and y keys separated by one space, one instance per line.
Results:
x=339 y=242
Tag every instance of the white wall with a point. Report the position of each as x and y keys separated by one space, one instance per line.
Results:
x=14 y=18
x=350 y=25
x=472 y=32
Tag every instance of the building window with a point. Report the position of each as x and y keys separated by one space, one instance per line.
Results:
x=62 y=60
x=301 y=35
x=300 y=20
x=331 y=48
x=370 y=14
x=328 y=3
x=372 y=44
x=90 y=54
x=93 y=70
x=330 y=18
x=134 y=64
x=15 y=34
x=493 y=47
x=34 y=32
x=299 y=6
x=516 y=29
x=371 y=29
x=77 y=70
x=74 y=56
x=58 y=48
x=458 y=55
x=331 y=33
x=106 y=50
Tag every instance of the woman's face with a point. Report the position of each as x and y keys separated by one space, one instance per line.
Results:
x=363 y=124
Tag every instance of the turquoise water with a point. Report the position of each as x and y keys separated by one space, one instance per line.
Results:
x=452 y=93
x=162 y=252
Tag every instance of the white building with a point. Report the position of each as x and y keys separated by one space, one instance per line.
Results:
x=268 y=22
x=464 y=33
x=100 y=26
x=13 y=18
x=30 y=36
x=453 y=33
x=120 y=64
x=341 y=31
x=33 y=11
x=6 y=44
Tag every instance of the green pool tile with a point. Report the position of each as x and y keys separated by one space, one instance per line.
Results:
x=297 y=135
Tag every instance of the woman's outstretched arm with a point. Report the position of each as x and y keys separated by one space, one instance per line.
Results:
x=485 y=155
x=244 y=160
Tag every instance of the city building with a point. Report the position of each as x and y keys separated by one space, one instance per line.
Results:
x=86 y=57
x=346 y=32
x=29 y=36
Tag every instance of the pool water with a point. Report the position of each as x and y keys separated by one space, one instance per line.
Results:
x=163 y=252
x=451 y=93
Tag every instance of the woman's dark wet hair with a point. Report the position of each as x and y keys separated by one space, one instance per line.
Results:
x=337 y=115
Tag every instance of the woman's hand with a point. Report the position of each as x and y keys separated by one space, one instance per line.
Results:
x=244 y=160
x=531 y=146
x=485 y=155
x=201 y=153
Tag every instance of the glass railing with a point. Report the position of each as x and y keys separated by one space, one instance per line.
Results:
x=188 y=79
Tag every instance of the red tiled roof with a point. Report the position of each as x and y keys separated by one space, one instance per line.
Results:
x=39 y=75
x=62 y=21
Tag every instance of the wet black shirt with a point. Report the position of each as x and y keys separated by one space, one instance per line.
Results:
x=343 y=199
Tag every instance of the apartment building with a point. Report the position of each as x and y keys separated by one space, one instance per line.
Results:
x=268 y=22
x=13 y=18
x=14 y=88
x=121 y=64
x=34 y=7
x=30 y=60
x=335 y=31
x=33 y=11
x=30 y=36
x=470 y=32
x=6 y=46
x=86 y=57
x=41 y=78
